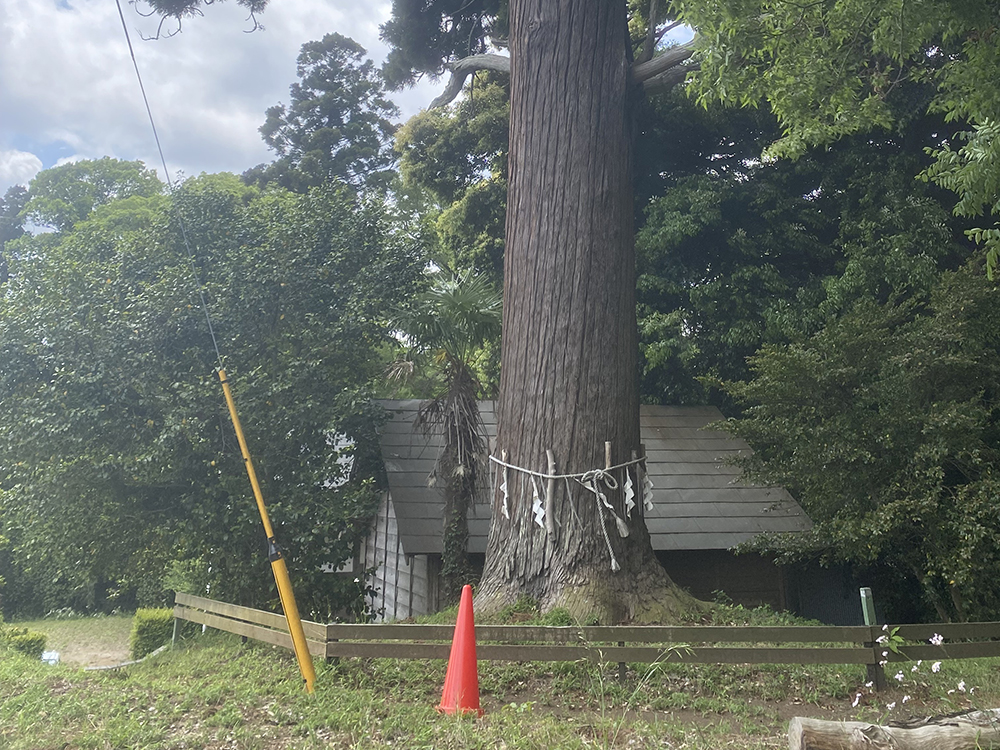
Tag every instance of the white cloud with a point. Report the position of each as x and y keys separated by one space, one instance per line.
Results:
x=17 y=168
x=69 y=89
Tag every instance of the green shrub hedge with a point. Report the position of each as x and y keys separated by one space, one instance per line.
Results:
x=26 y=641
x=151 y=628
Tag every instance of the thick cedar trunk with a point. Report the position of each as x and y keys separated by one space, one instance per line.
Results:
x=569 y=356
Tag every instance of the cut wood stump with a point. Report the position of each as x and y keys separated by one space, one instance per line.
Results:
x=975 y=730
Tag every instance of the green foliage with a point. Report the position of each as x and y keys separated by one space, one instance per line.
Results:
x=524 y=609
x=28 y=642
x=458 y=155
x=737 y=252
x=973 y=173
x=151 y=628
x=557 y=617
x=832 y=69
x=11 y=222
x=423 y=36
x=884 y=425
x=120 y=455
x=453 y=319
x=187 y=577
x=62 y=196
x=337 y=125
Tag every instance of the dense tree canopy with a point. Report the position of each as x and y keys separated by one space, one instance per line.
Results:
x=738 y=251
x=62 y=196
x=832 y=69
x=118 y=454
x=885 y=425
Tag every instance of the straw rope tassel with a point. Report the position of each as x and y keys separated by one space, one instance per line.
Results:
x=504 y=490
x=629 y=494
x=536 y=504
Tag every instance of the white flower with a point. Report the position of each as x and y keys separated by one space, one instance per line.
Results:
x=906 y=698
x=883 y=663
x=890 y=706
x=357 y=580
x=914 y=669
x=869 y=684
x=961 y=685
x=857 y=700
x=885 y=654
x=882 y=639
x=936 y=666
x=919 y=662
x=936 y=639
x=885 y=627
x=899 y=677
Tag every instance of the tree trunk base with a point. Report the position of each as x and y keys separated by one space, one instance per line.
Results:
x=602 y=599
x=976 y=730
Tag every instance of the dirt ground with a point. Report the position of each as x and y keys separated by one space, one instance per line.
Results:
x=87 y=642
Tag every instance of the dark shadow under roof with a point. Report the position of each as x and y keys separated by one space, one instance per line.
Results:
x=699 y=501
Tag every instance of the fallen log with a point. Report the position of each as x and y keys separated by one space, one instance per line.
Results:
x=974 y=730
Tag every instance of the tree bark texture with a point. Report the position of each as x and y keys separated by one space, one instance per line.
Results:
x=569 y=354
x=971 y=731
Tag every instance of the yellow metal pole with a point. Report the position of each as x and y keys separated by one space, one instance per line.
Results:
x=278 y=566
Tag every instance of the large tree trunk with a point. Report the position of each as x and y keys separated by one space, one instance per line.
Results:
x=569 y=356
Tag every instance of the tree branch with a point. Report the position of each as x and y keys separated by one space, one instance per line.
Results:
x=663 y=82
x=461 y=69
x=657 y=75
x=649 y=43
x=663 y=63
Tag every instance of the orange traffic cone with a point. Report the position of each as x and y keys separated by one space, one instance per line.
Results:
x=461 y=682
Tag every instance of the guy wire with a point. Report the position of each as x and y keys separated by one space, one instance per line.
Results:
x=170 y=184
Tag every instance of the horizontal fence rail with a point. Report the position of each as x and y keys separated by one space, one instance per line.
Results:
x=785 y=644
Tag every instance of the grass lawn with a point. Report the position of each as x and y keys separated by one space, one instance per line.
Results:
x=214 y=692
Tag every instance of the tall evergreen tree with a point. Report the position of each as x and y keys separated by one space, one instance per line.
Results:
x=338 y=124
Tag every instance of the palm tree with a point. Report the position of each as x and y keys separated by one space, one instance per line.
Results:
x=451 y=323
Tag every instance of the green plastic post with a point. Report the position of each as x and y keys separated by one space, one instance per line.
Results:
x=868 y=606
x=876 y=674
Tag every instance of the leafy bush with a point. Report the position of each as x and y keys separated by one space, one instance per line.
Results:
x=151 y=628
x=557 y=616
x=26 y=641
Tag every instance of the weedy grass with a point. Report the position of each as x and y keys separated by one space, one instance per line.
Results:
x=212 y=692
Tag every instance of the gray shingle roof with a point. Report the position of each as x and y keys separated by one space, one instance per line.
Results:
x=699 y=502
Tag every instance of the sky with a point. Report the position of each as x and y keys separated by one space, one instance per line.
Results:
x=68 y=90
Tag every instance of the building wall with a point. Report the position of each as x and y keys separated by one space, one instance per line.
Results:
x=829 y=595
x=406 y=585
x=750 y=580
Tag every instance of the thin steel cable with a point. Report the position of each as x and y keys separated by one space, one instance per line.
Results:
x=170 y=184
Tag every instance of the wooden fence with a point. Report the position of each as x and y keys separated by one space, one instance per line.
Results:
x=699 y=644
